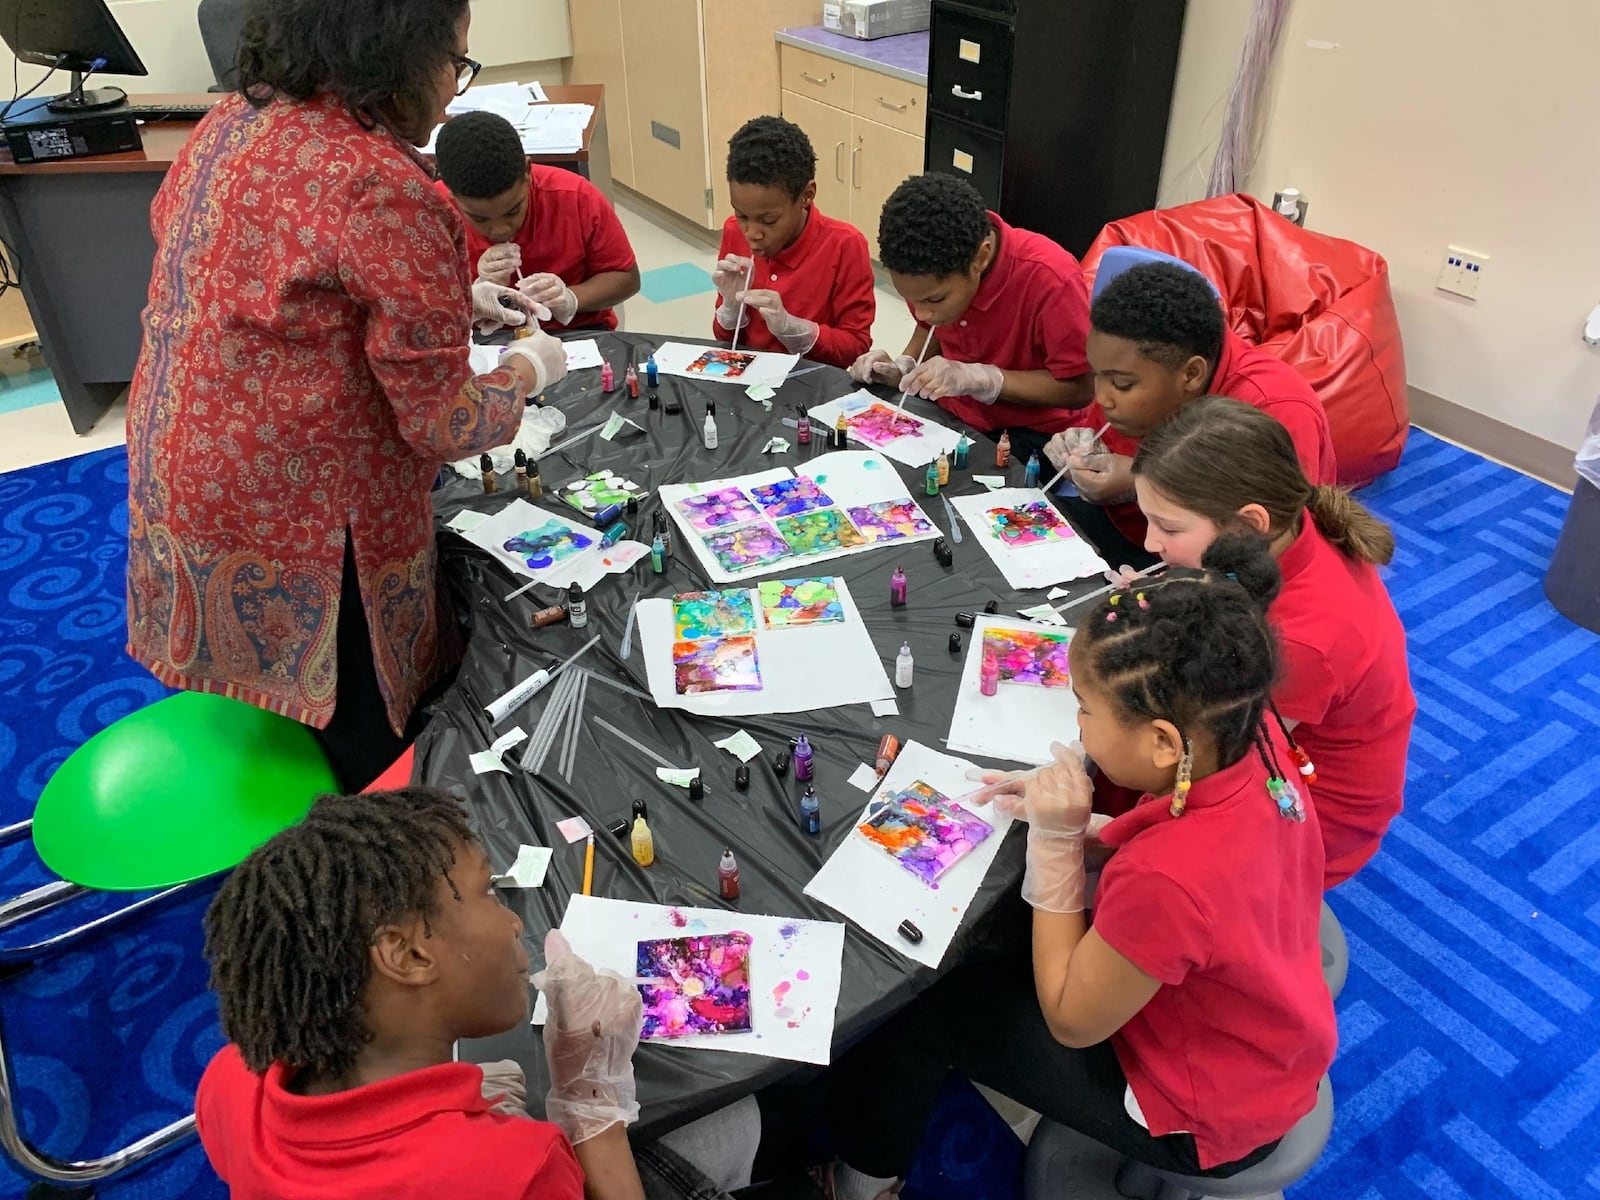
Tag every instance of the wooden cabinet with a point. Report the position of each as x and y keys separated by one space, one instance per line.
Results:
x=866 y=128
x=681 y=76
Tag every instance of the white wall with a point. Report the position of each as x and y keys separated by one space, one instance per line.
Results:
x=1436 y=122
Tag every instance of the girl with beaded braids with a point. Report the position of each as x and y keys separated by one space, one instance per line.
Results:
x=1188 y=1026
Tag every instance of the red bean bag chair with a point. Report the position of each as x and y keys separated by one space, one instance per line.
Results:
x=1319 y=303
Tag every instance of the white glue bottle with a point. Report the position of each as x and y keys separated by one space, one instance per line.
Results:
x=710 y=429
x=902 y=666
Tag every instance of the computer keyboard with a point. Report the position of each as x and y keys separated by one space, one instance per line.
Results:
x=168 y=112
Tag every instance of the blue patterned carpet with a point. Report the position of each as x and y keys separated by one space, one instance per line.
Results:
x=1469 y=1063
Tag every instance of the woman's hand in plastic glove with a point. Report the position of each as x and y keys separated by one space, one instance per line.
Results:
x=500 y=263
x=493 y=303
x=547 y=356
x=590 y=1034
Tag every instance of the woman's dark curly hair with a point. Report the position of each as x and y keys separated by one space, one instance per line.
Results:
x=381 y=57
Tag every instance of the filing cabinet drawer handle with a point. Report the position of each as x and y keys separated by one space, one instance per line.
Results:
x=810 y=78
x=896 y=107
x=838 y=166
x=959 y=93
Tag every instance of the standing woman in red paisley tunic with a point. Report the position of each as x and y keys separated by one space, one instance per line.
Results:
x=304 y=374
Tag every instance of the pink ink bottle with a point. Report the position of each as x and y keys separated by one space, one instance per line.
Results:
x=898 y=588
x=608 y=378
x=989 y=675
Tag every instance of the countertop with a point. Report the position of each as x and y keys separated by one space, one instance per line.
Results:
x=904 y=56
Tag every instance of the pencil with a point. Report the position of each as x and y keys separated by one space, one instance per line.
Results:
x=588 y=867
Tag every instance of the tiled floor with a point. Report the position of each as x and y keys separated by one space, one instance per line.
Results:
x=34 y=426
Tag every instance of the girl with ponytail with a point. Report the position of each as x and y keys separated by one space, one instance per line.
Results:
x=1221 y=466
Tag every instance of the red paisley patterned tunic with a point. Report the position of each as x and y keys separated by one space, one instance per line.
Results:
x=304 y=373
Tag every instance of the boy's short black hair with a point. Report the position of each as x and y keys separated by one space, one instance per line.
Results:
x=932 y=224
x=479 y=155
x=289 y=932
x=772 y=152
x=1168 y=311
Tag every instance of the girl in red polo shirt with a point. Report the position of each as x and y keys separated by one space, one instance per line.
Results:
x=1344 y=689
x=810 y=283
x=1188 y=1027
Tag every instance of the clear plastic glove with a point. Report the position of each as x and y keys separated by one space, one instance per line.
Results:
x=495 y=304
x=1075 y=447
x=590 y=1035
x=1105 y=479
x=548 y=356
x=505 y=1087
x=729 y=277
x=1056 y=801
x=876 y=366
x=939 y=377
x=552 y=292
x=500 y=263
x=1123 y=577
x=797 y=334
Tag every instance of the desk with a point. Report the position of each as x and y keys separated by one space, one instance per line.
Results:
x=79 y=234
x=776 y=859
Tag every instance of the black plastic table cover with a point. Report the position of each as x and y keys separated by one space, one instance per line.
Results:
x=776 y=859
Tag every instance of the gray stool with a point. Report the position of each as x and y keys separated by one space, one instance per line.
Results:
x=1335 y=954
x=1296 y=1154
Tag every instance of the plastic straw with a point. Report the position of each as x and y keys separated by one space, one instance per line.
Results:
x=627 y=635
x=1110 y=587
x=955 y=525
x=749 y=273
x=926 y=342
x=637 y=745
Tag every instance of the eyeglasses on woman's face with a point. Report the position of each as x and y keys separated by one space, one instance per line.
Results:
x=466 y=71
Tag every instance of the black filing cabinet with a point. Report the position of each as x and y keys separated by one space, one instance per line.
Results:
x=1056 y=110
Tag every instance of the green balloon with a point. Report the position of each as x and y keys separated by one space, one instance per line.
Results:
x=179 y=790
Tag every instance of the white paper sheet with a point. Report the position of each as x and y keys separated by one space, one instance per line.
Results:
x=864 y=883
x=1035 y=566
x=554 y=128
x=528 y=870
x=795 y=968
x=674 y=358
x=509 y=100
x=789 y=658
x=851 y=478
x=536 y=90
x=582 y=354
x=586 y=568
x=926 y=441
x=1019 y=721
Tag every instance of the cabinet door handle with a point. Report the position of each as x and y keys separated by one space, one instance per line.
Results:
x=855 y=163
x=810 y=78
x=959 y=94
x=896 y=107
x=838 y=165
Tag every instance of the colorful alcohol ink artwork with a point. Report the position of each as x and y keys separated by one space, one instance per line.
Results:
x=725 y=364
x=878 y=425
x=925 y=831
x=596 y=491
x=726 y=664
x=746 y=547
x=703 y=985
x=713 y=510
x=788 y=497
x=889 y=520
x=547 y=545
x=786 y=603
x=820 y=532
x=1029 y=524
x=1027 y=656
x=698 y=615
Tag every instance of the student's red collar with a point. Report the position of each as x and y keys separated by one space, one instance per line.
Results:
x=998 y=276
x=375 y=1110
x=1232 y=343
x=1237 y=782
x=1297 y=555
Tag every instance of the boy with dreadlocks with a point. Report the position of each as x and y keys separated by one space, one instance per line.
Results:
x=349 y=955
x=1188 y=1026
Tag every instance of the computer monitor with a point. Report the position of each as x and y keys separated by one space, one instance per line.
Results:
x=80 y=36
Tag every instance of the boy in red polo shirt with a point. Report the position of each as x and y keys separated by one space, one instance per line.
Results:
x=1003 y=312
x=1345 y=686
x=1188 y=1026
x=548 y=228
x=1157 y=340
x=349 y=955
x=810 y=277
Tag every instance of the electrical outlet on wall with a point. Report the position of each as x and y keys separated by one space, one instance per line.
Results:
x=1462 y=272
